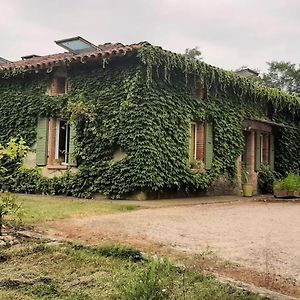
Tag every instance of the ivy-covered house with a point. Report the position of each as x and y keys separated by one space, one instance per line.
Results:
x=139 y=120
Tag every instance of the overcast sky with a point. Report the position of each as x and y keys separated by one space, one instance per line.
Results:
x=230 y=33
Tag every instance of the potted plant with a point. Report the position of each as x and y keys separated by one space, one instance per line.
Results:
x=246 y=185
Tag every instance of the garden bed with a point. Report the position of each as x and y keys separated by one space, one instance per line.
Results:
x=288 y=188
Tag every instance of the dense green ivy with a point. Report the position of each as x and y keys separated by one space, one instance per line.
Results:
x=143 y=107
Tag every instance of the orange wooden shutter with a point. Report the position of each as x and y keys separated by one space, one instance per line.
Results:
x=200 y=147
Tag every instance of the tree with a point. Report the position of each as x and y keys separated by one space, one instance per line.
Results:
x=193 y=53
x=284 y=76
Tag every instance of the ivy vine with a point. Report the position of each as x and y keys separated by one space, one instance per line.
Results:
x=143 y=106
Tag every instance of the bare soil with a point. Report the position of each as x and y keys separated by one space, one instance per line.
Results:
x=261 y=237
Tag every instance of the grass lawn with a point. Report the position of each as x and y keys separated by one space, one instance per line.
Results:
x=37 y=209
x=42 y=270
x=64 y=271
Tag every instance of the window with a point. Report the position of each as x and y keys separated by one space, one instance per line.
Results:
x=197 y=146
x=265 y=158
x=264 y=144
x=59 y=86
x=259 y=149
x=201 y=143
x=62 y=142
x=263 y=147
x=76 y=45
x=55 y=143
x=200 y=92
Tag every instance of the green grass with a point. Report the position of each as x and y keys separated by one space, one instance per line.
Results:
x=37 y=210
x=64 y=271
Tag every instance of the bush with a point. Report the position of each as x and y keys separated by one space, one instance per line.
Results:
x=290 y=183
x=26 y=180
x=266 y=179
x=8 y=206
x=31 y=181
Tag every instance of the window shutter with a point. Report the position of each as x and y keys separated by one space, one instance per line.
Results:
x=272 y=152
x=208 y=145
x=257 y=151
x=200 y=147
x=42 y=142
x=192 y=141
x=72 y=158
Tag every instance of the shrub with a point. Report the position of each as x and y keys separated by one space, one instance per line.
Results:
x=31 y=181
x=26 y=180
x=290 y=183
x=266 y=179
x=8 y=206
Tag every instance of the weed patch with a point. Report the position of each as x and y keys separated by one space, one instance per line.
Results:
x=121 y=252
x=69 y=272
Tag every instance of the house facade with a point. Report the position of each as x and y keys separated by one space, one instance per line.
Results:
x=139 y=120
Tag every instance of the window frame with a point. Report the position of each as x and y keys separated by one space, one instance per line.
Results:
x=54 y=91
x=201 y=156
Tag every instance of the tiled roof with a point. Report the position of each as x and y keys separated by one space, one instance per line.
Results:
x=48 y=61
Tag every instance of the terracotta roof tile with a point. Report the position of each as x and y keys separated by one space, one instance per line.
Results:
x=48 y=61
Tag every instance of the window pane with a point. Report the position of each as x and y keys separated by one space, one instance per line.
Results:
x=64 y=141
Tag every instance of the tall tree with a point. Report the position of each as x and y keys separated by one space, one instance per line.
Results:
x=193 y=53
x=284 y=76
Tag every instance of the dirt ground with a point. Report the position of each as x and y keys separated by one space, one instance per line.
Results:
x=264 y=236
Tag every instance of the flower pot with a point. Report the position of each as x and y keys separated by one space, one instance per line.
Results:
x=247 y=190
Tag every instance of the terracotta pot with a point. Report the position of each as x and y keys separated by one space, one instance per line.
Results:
x=247 y=190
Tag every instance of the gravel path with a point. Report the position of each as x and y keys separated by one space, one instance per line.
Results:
x=260 y=235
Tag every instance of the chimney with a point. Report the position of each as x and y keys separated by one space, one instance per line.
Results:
x=246 y=72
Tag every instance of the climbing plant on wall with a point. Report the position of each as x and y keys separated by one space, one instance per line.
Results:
x=141 y=107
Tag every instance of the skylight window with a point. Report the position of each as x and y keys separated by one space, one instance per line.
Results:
x=76 y=45
x=3 y=61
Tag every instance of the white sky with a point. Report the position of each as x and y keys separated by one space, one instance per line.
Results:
x=230 y=33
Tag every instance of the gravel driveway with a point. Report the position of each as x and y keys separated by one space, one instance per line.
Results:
x=252 y=234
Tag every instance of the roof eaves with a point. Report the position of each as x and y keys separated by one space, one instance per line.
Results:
x=48 y=61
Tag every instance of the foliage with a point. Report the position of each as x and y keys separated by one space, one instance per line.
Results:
x=15 y=149
x=58 y=271
x=284 y=76
x=143 y=107
x=217 y=82
x=8 y=206
x=287 y=154
x=151 y=283
x=197 y=164
x=193 y=53
x=22 y=101
x=14 y=73
x=120 y=252
x=290 y=183
x=245 y=175
x=81 y=110
x=11 y=158
x=266 y=179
